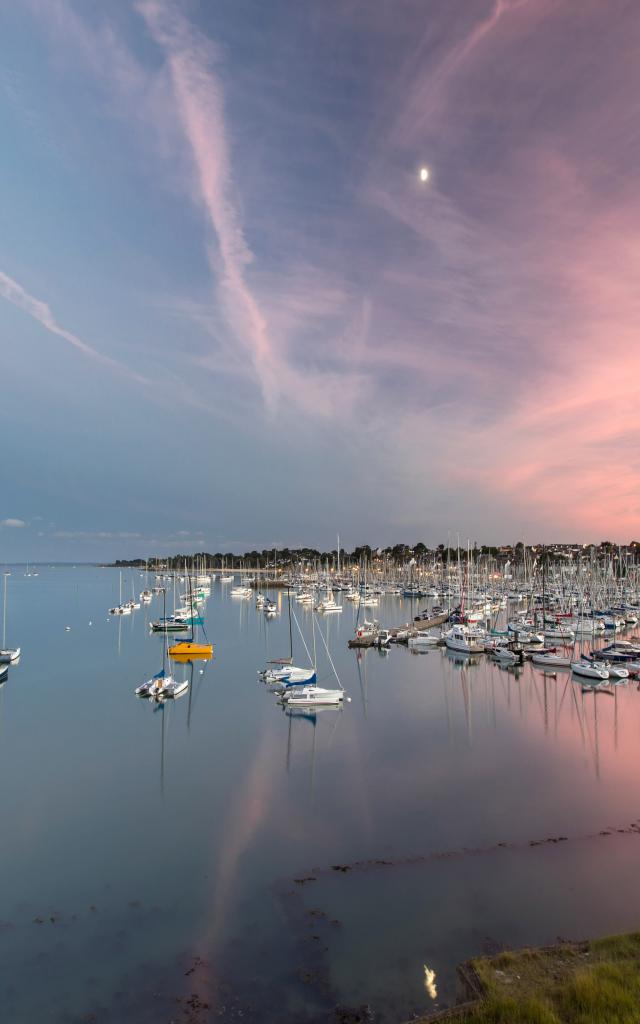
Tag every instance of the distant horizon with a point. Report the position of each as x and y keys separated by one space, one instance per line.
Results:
x=111 y=562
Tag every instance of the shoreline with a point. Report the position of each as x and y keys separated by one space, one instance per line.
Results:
x=586 y=982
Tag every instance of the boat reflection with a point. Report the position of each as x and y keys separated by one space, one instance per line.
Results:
x=185 y=659
x=310 y=717
x=460 y=659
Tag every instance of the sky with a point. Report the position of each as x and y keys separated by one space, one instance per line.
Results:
x=233 y=316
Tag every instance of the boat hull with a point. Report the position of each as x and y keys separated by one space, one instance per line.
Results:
x=186 y=649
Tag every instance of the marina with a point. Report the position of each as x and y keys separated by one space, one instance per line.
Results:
x=320 y=539
x=393 y=790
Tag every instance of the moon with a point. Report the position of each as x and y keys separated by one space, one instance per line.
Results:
x=424 y=174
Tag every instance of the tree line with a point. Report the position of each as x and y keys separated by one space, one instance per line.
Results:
x=396 y=555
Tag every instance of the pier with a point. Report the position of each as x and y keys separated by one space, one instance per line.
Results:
x=414 y=627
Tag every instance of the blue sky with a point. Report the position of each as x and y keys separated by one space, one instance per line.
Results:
x=231 y=315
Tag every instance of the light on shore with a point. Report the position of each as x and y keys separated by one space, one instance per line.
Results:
x=430 y=982
x=424 y=174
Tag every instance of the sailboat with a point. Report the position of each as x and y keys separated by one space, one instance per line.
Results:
x=590 y=669
x=162 y=685
x=282 y=670
x=191 y=648
x=329 y=606
x=312 y=695
x=7 y=654
x=122 y=609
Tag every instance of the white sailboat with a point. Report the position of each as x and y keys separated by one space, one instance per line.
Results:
x=314 y=695
x=282 y=671
x=162 y=686
x=8 y=655
x=329 y=606
x=590 y=669
x=120 y=608
x=550 y=658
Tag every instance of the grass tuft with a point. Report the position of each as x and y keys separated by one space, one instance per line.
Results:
x=573 y=983
x=607 y=993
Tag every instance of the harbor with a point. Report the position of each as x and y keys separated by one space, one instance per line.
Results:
x=403 y=766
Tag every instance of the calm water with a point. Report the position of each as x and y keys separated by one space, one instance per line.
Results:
x=149 y=857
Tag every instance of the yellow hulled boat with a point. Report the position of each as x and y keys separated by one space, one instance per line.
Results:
x=188 y=649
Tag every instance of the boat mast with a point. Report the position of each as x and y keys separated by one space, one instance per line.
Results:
x=4 y=613
x=290 y=627
x=164 y=622
x=313 y=628
x=191 y=615
x=544 y=578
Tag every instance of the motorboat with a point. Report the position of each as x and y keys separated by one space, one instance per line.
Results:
x=308 y=696
x=422 y=640
x=465 y=639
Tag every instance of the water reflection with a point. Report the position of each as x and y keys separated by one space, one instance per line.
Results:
x=434 y=754
x=308 y=718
